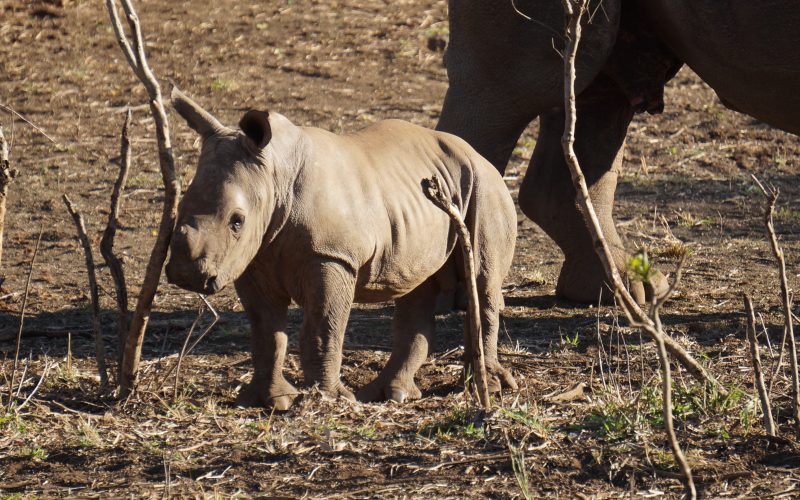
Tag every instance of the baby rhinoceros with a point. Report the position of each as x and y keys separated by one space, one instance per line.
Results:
x=297 y=213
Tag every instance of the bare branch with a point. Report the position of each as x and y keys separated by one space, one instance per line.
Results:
x=650 y=325
x=771 y=196
x=113 y=262
x=138 y=62
x=433 y=190
x=633 y=312
x=122 y=39
x=666 y=389
x=755 y=356
x=100 y=350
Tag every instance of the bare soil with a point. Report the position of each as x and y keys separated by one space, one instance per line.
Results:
x=341 y=65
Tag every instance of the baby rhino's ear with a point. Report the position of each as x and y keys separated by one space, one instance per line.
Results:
x=255 y=125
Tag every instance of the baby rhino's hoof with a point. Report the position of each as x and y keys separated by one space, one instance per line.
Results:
x=278 y=395
x=378 y=390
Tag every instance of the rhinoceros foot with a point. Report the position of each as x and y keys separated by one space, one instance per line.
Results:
x=393 y=390
x=499 y=378
x=584 y=280
x=338 y=391
x=279 y=395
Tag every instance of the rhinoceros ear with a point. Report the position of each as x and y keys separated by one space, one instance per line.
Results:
x=255 y=125
x=196 y=117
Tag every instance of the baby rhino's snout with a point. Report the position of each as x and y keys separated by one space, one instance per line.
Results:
x=189 y=266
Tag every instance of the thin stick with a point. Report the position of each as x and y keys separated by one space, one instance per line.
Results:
x=113 y=262
x=184 y=350
x=45 y=371
x=777 y=252
x=99 y=346
x=777 y=366
x=433 y=190
x=650 y=324
x=7 y=175
x=138 y=63
x=33 y=125
x=766 y=407
x=22 y=319
x=69 y=354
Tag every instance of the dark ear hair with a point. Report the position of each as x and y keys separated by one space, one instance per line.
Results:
x=255 y=125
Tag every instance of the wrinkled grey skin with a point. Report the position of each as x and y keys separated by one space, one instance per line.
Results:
x=504 y=72
x=296 y=213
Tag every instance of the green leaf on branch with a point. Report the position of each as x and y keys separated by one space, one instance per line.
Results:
x=640 y=267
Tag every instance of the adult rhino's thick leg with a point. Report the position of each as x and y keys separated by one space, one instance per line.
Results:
x=547 y=195
x=412 y=334
x=267 y=316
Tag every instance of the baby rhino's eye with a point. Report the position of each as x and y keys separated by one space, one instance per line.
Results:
x=236 y=222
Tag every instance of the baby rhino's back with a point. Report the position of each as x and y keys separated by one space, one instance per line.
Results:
x=394 y=235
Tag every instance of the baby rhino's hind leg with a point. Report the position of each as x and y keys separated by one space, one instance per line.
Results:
x=412 y=336
x=490 y=300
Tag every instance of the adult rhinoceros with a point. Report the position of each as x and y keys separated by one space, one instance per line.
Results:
x=504 y=70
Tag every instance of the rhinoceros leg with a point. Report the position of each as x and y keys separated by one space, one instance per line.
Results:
x=490 y=302
x=547 y=195
x=267 y=316
x=412 y=336
x=328 y=291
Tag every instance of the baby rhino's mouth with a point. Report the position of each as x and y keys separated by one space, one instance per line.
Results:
x=191 y=279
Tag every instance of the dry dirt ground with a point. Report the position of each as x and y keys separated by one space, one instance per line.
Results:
x=341 y=65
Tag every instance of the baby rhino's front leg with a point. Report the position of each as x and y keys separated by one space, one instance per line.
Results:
x=328 y=290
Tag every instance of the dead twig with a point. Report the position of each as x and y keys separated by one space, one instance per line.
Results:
x=33 y=125
x=45 y=371
x=186 y=351
x=766 y=407
x=113 y=262
x=433 y=190
x=22 y=319
x=771 y=195
x=7 y=175
x=99 y=346
x=138 y=62
x=650 y=324
x=183 y=351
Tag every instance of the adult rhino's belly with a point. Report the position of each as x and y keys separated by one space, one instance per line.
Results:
x=746 y=51
x=771 y=98
x=412 y=248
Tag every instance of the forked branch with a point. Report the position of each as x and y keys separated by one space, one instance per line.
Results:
x=113 y=262
x=634 y=313
x=138 y=63
x=650 y=324
x=771 y=194
x=433 y=190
